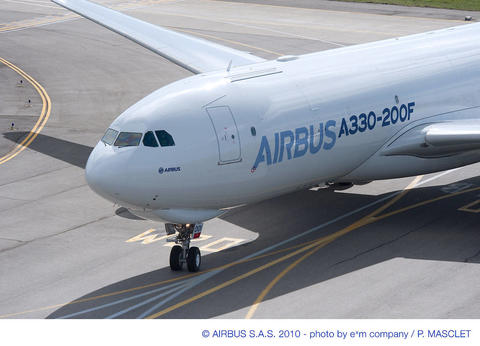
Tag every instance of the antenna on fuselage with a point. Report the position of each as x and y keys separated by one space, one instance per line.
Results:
x=229 y=65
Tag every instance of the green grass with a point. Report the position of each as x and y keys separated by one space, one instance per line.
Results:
x=472 y=5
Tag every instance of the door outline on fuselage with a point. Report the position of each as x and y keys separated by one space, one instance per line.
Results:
x=228 y=142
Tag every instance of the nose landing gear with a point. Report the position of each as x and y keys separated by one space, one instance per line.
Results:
x=183 y=253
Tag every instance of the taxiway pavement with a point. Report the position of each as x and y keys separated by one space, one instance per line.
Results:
x=67 y=253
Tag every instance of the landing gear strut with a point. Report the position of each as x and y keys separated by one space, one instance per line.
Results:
x=183 y=253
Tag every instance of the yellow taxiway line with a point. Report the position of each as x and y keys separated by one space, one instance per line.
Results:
x=42 y=120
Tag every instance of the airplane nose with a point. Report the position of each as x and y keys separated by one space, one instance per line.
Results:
x=104 y=172
x=93 y=172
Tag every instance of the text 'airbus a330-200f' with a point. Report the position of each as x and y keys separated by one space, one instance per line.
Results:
x=244 y=129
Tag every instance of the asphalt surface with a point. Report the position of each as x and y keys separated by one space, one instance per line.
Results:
x=370 y=251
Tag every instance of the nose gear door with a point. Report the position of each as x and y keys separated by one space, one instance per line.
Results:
x=226 y=130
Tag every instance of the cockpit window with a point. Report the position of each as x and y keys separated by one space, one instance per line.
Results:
x=149 y=140
x=109 y=136
x=165 y=139
x=128 y=139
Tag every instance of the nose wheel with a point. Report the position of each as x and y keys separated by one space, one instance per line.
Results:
x=176 y=258
x=183 y=253
x=194 y=259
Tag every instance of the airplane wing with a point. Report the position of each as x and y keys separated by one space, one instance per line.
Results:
x=437 y=140
x=194 y=54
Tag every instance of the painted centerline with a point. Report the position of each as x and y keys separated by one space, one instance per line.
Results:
x=42 y=120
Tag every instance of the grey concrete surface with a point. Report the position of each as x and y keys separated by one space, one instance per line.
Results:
x=358 y=7
x=20 y=105
x=65 y=252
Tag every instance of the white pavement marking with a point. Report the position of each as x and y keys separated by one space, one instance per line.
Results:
x=437 y=176
x=145 y=302
x=99 y=307
x=195 y=281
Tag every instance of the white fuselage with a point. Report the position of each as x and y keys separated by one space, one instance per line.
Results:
x=262 y=130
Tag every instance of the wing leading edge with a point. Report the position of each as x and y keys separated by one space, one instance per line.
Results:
x=194 y=54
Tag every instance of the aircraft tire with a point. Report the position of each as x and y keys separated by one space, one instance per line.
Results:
x=194 y=259
x=176 y=258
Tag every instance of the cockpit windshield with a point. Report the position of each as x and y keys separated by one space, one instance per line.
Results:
x=109 y=136
x=132 y=139
x=165 y=139
x=128 y=139
x=149 y=140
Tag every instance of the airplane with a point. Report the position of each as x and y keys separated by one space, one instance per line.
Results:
x=243 y=129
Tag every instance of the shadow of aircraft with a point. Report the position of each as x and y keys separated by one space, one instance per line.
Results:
x=126 y=214
x=72 y=153
x=425 y=224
